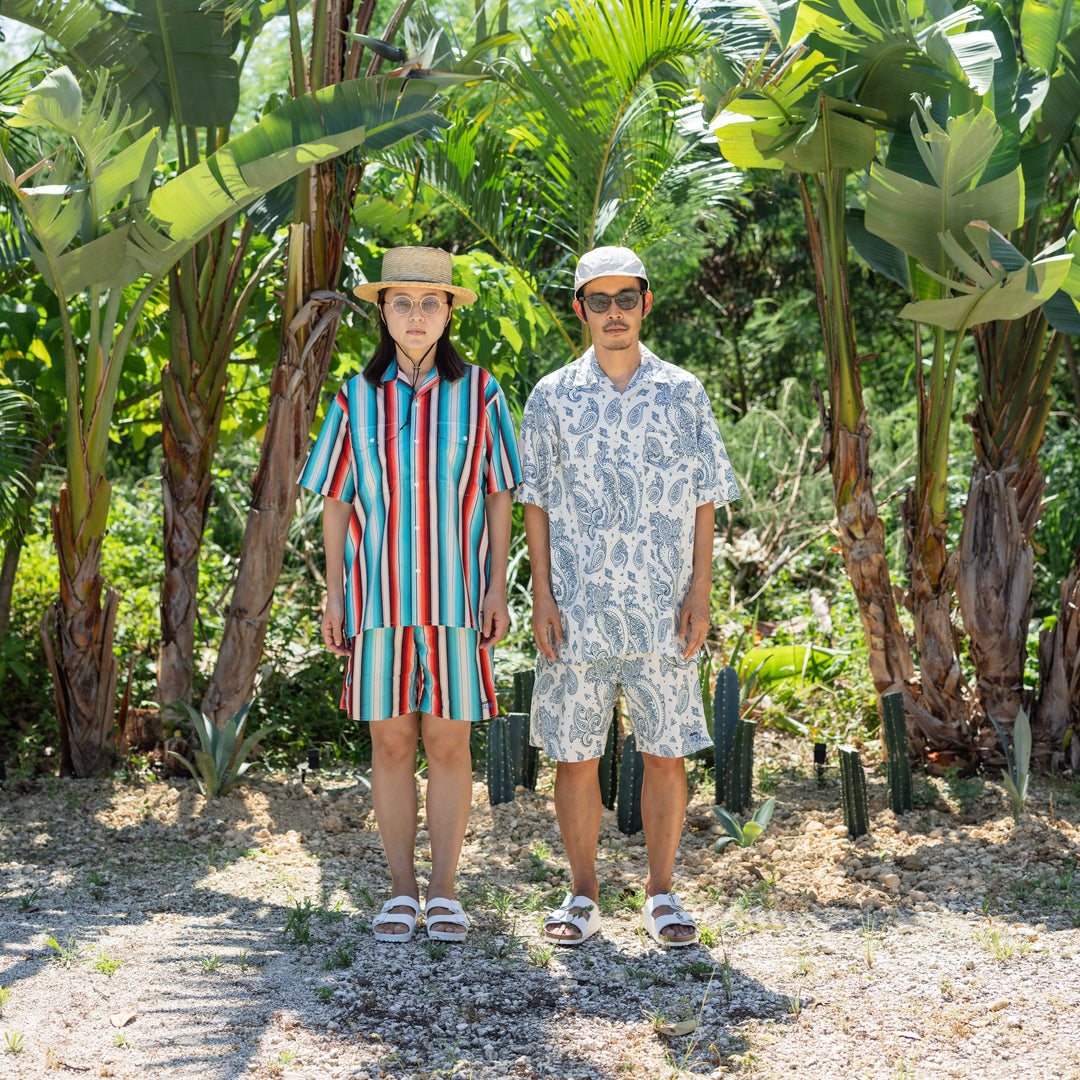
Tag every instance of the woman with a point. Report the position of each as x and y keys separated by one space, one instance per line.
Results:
x=416 y=461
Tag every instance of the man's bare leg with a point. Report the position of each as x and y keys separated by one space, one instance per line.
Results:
x=663 y=810
x=578 y=807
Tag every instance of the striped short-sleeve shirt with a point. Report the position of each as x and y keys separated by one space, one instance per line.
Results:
x=416 y=468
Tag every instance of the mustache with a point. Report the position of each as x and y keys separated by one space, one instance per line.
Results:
x=616 y=326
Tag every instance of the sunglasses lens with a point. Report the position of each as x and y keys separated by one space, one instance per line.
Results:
x=401 y=305
x=431 y=305
x=626 y=300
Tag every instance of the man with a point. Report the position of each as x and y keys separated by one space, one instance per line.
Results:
x=623 y=465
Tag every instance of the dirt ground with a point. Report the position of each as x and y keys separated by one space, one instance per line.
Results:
x=149 y=932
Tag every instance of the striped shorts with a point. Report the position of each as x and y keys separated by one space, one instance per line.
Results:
x=439 y=670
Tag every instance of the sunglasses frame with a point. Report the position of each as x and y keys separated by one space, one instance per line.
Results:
x=637 y=294
x=413 y=303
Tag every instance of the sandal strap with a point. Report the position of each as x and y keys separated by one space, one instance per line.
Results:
x=455 y=913
x=387 y=916
x=562 y=914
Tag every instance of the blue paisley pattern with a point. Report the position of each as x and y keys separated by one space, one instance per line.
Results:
x=573 y=705
x=621 y=477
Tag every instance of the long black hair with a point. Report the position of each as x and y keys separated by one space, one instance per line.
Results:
x=448 y=361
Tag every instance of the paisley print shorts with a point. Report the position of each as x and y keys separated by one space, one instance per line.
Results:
x=572 y=706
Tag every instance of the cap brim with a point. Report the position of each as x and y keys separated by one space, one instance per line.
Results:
x=370 y=290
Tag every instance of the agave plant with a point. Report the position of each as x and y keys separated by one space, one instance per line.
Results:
x=223 y=757
x=744 y=835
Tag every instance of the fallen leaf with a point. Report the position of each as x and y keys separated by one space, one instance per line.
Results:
x=683 y=1027
x=997 y=1006
x=122 y=1019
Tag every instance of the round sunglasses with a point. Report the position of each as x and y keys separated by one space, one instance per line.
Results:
x=429 y=305
x=625 y=300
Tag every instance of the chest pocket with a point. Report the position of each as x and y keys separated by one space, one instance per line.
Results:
x=458 y=446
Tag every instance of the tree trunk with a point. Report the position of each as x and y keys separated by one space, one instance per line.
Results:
x=294 y=395
x=931 y=576
x=203 y=330
x=1059 y=681
x=307 y=335
x=77 y=633
x=994 y=588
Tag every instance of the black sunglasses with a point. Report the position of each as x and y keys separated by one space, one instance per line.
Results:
x=625 y=300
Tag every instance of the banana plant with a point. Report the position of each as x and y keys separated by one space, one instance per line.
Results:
x=812 y=87
x=95 y=226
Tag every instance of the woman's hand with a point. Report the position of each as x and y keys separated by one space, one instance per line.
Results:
x=494 y=617
x=333 y=626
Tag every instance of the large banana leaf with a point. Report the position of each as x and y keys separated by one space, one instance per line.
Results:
x=150 y=238
x=1004 y=285
x=97 y=38
x=910 y=213
x=1043 y=24
x=193 y=49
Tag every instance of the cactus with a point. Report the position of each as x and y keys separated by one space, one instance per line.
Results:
x=631 y=773
x=609 y=766
x=526 y=757
x=853 y=793
x=739 y=768
x=898 y=763
x=725 y=712
x=523 y=690
x=500 y=766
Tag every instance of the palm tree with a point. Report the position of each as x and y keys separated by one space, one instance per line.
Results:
x=94 y=226
x=589 y=144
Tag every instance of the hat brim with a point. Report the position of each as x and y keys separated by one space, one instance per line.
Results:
x=370 y=290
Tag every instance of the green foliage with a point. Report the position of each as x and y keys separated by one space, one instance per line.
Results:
x=1016 y=773
x=744 y=835
x=1057 y=534
x=223 y=757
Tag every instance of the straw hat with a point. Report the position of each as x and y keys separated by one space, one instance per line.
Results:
x=405 y=267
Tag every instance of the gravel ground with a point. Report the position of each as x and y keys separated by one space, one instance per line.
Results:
x=231 y=938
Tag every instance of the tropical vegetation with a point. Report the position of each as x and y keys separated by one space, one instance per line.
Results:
x=861 y=225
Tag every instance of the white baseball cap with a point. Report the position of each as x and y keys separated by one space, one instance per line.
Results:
x=607 y=262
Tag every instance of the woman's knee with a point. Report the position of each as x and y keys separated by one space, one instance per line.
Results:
x=394 y=741
x=446 y=742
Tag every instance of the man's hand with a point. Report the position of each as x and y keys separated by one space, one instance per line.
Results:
x=546 y=625
x=694 y=619
x=494 y=617
x=333 y=626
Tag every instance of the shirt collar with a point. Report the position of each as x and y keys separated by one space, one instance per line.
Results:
x=392 y=372
x=589 y=372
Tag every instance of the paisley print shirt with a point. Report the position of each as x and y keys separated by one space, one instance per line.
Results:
x=620 y=476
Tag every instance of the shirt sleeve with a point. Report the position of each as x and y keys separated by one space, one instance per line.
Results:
x=538 y=451
x=714 y=475
x=329 y=468
x=504 y=466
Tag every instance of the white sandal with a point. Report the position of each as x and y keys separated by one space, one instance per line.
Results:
x=655 y=925
x=455 y=915
x=387 y=916
x=586 y=922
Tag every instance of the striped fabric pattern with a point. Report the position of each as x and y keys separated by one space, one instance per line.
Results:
x=416 y=468
x=439 y=670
